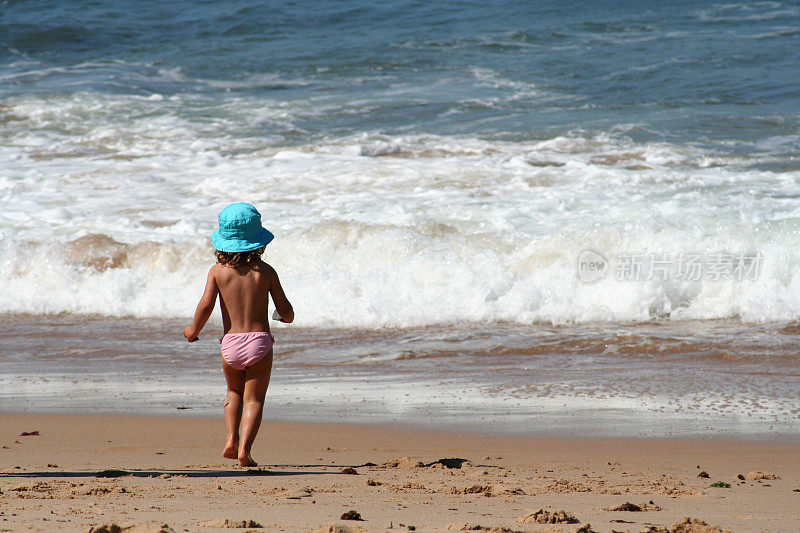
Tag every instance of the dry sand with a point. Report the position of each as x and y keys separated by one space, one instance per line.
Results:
x=168 y=471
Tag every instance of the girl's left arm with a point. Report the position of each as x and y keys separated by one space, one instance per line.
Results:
x=204 y=308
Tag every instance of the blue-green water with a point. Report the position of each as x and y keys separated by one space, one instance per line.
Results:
x=700 y=73
x=437 y=175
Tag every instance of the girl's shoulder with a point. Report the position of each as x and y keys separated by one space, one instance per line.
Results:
x=264 y=266
x=217 y=269
x=222 y=271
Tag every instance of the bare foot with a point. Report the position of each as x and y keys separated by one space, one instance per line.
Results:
x=231 y=451
x=246 y=460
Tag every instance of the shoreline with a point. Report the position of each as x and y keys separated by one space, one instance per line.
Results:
x=664 y=380
x=175 y=475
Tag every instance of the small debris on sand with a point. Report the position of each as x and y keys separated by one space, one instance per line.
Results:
x=104 y=528
x=112 y=473
x=546 y=517
x=29 y=434
x=350 y=471
x=299 y=493
x=259 y=472
x=228 y=523
x=97 y=491
x=474 y=489
x=488 y=490
x=632 y=507
x=148 y=527
x=403 y=462
x=687 y=526
x=40 y=486
x=464 y=526
x=351 y=515
x=564 y=486
x=372 y=483
x=703 y=474
x=628 y=506
x=755 y=476
x=740 y=477
x=452 y=462
x=339 y=528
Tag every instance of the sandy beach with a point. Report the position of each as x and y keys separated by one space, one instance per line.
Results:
x=72 y=472
x=544 y=259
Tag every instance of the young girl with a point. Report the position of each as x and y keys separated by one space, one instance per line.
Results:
x=244 y=282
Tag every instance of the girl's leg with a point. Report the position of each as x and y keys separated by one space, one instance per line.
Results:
x=256 y=380
x=233 y=409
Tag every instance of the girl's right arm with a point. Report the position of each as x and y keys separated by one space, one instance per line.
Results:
x=204 y=308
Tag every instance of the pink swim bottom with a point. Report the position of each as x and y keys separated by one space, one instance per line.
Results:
x=241 y=350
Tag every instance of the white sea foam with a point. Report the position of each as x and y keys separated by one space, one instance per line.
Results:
x=108 y=203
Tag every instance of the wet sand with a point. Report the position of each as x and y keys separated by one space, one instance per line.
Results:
x=72 y=472
x=681 y=379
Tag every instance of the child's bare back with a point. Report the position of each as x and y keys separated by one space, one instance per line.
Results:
x=244 y=292
x=244 y=295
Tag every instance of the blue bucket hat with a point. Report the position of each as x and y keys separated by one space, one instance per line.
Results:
x=240 y=230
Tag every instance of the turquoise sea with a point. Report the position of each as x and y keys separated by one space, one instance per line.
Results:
x=518 y=216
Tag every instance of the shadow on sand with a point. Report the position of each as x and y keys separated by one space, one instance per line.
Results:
x=195 y=473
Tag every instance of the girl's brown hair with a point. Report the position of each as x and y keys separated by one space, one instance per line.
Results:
x=237 y=259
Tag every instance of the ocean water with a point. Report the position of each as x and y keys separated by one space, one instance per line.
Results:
x=448 y=166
